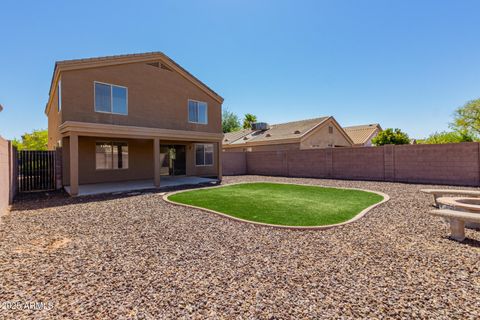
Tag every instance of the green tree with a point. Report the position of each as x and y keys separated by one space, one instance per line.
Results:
x=391 y=136
x=36 y=140
x=248 y=120
x=230 y=121
x=467 y=118
x=447 y=137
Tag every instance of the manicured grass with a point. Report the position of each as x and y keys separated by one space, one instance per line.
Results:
x=281 y=204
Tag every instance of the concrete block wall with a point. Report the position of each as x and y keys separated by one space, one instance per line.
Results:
x=7 y=175
x=234 y=163
x=362 y=163
x=273 y=163
x=456 y=164
x=308 y=163
x=452 y=164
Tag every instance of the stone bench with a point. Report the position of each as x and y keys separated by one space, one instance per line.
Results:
x=457 y=221
x=442 y=192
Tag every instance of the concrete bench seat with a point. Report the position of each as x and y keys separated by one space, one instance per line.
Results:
x=442 y=192
x=457 y=221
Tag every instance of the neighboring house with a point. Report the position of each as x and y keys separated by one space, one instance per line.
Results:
x=132 y=117
x=362 y=135
x=321 y=132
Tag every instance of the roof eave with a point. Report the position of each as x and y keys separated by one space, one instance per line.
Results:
x=262 y=143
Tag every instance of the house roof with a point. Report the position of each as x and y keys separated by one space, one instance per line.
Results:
x=362 y=133
x=76 y=64
x=282 y=132
x=230 y=137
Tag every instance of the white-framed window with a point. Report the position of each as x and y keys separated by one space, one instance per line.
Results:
x=110 y=98
x=204 y=154
x=197 y=112
x=59 y=94
x=111 y=155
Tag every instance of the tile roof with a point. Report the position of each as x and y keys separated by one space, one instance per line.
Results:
x=281 y=131
x=360 y=134
x=107 y=58
x=232 y=136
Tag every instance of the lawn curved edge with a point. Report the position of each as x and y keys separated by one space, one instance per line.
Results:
x=360 y=215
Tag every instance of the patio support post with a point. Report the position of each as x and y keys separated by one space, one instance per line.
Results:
x=73 y=165
x=156 y=161
x=219 y=160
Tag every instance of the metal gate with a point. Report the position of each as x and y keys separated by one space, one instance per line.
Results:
x=36 y=170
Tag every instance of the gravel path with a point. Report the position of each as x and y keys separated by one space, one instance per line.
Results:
x=139 y=257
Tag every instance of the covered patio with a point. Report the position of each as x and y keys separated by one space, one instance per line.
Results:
x=128 y=186
x=101 y=158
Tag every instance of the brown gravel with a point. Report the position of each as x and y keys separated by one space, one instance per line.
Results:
x=139 y=257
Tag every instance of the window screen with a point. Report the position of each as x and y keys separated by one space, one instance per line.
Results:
x=197 y=112
x=110 y=98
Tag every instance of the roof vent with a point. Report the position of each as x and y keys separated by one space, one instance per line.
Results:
x=226 y=140
x=154 y=64
x=260 y=126
x=268 y=135
x=245 y=138
x=164 y=67
x=296 y=131
x=159 y=65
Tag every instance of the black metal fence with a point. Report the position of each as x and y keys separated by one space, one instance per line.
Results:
x=36 y=170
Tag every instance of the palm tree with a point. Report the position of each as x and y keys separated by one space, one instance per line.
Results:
x=249 y=120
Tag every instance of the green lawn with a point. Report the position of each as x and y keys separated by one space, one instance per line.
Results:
x=281 y=204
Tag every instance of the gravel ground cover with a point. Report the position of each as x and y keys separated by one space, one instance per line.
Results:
x=139 y=257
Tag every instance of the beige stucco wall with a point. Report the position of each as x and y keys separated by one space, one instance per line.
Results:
x=207 y=171
x=157 y=98
x=321 y=138
x=368 y=143
x=140 y=161
x=54 y=120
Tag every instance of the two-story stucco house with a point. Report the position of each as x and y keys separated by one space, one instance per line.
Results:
x=132 y=117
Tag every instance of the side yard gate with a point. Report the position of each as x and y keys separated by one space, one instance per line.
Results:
x=36 y=170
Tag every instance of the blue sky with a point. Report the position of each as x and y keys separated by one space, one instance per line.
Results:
x=405 y=64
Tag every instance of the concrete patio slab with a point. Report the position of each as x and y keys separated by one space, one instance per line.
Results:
x=136 y=185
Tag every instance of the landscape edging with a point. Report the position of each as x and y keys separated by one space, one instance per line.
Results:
x=361 y=214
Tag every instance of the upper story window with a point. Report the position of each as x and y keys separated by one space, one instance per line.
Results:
x=197 y=112
x=59 y=94
x=110 y=98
